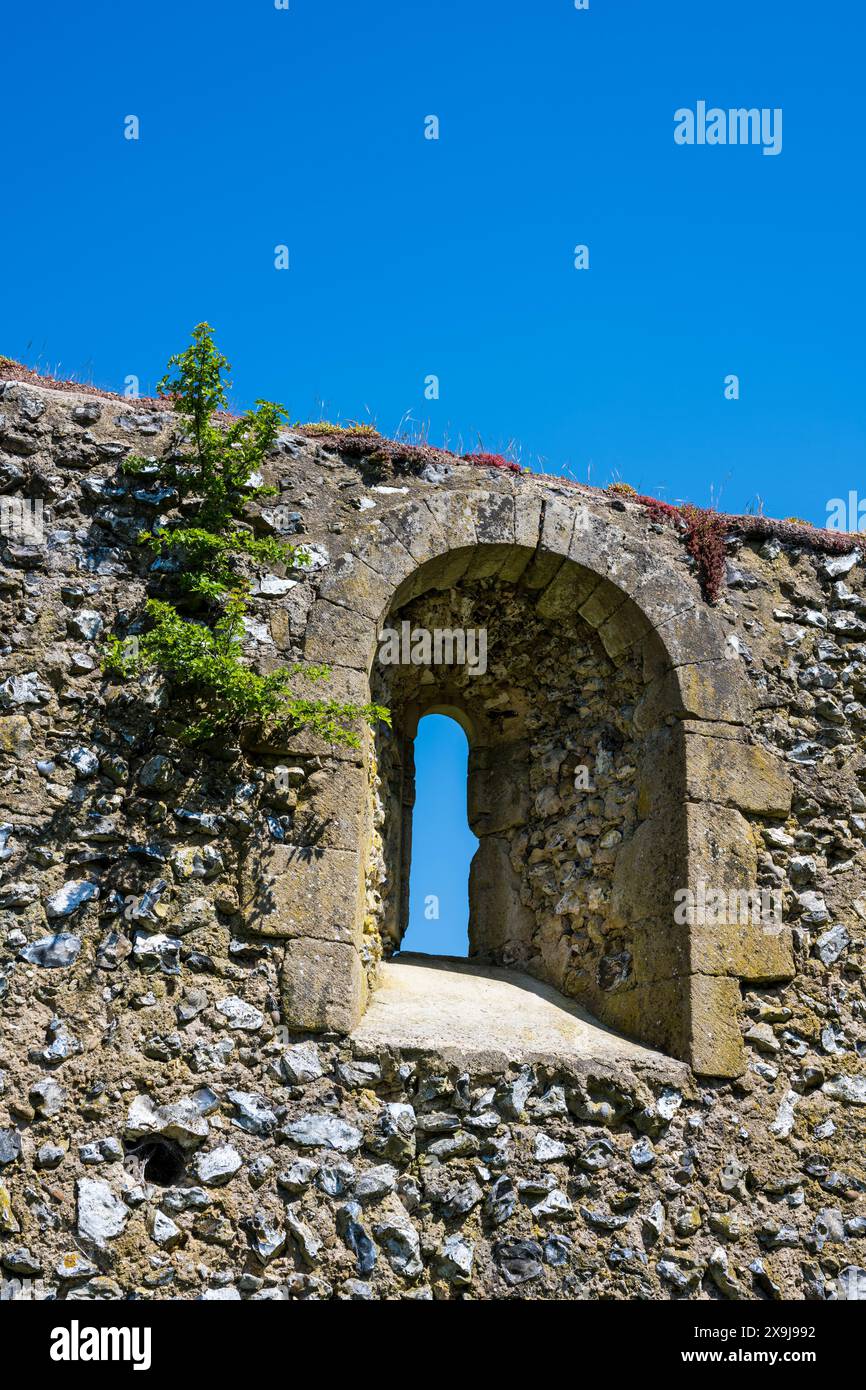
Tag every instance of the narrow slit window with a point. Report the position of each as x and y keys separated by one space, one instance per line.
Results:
x=442 y=843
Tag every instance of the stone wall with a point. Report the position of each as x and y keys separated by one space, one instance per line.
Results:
x=164 y=915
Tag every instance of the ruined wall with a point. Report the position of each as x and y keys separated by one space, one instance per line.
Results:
x=162 y=917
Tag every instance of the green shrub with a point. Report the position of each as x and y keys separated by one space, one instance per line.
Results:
x=202 y=655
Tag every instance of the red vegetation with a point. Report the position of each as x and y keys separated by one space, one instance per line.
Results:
x=16 y=371
x=703 y=531
x=705 y=542
x=402 y=456
x=660 y=511
x=704 y=535
x=491 y=461
x=376 y=449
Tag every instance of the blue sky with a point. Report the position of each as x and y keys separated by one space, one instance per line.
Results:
x=411 y=257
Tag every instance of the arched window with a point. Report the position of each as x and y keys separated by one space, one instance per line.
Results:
x=442 y=843
x=610 y=765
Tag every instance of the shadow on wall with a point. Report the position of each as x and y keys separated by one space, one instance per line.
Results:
x=442 y=843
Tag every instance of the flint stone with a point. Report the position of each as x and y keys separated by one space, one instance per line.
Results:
x=323 y=1132
x=47 y=1098
x=394 y=1136
x=240 y=1015
x=157 y=773
x=358 y=1074
x=83 y=760
x=356 y=1238
x=851 y=1090
x=399 y=1240
x=301 y=1064
x=10 y=1146
x=218 y=1166
x=455 y=1260
x=297 y=1178
x=23 y=1262
x=184 y=1121
x=19 y=893
x=308 y=1242
x=28 y=689
x=254 y=1114
x=73 y=1266
x=376 y=1183
x=52 y=952
x=101 y=1215
x=73 y=895
x=265 y=1236
x=852 y=1284
x=85 y=623
x=335 y=1179
x=519 y=1260
x=156 y=951
x=163 y=1231
x=841 y=564
x=830 y=946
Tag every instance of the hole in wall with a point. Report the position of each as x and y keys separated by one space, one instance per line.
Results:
x=157 y=1161
x=442 y=843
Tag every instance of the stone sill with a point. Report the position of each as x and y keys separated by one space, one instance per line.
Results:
x=485 y=1018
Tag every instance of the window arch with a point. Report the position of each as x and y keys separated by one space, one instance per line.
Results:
x=699 y=777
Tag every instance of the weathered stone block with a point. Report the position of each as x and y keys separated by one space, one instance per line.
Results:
x=453 y=514
x=736 y=774
x=708 y=690
x=331 y=813
x=557 y=525
x=323 y=986
x=715 y=1045
x=602 y=603
x=498 y=794
x=441 y=572
x=528 y=508
x=626 y=626
x=648 y=869
x=289 y=891
x=332 y=628
x=350 y=582
x=489 y=560
x=660 y=950
x=417 y=528
x=694 y=634
x=570 y=587
x=500 y=927
x=656 y=1013
x=15 y=733
x=661 y=591
x=350 y=687
x=494 y=519
x=736 y=927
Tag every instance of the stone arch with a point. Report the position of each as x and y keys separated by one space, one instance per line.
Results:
x=699 y=777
